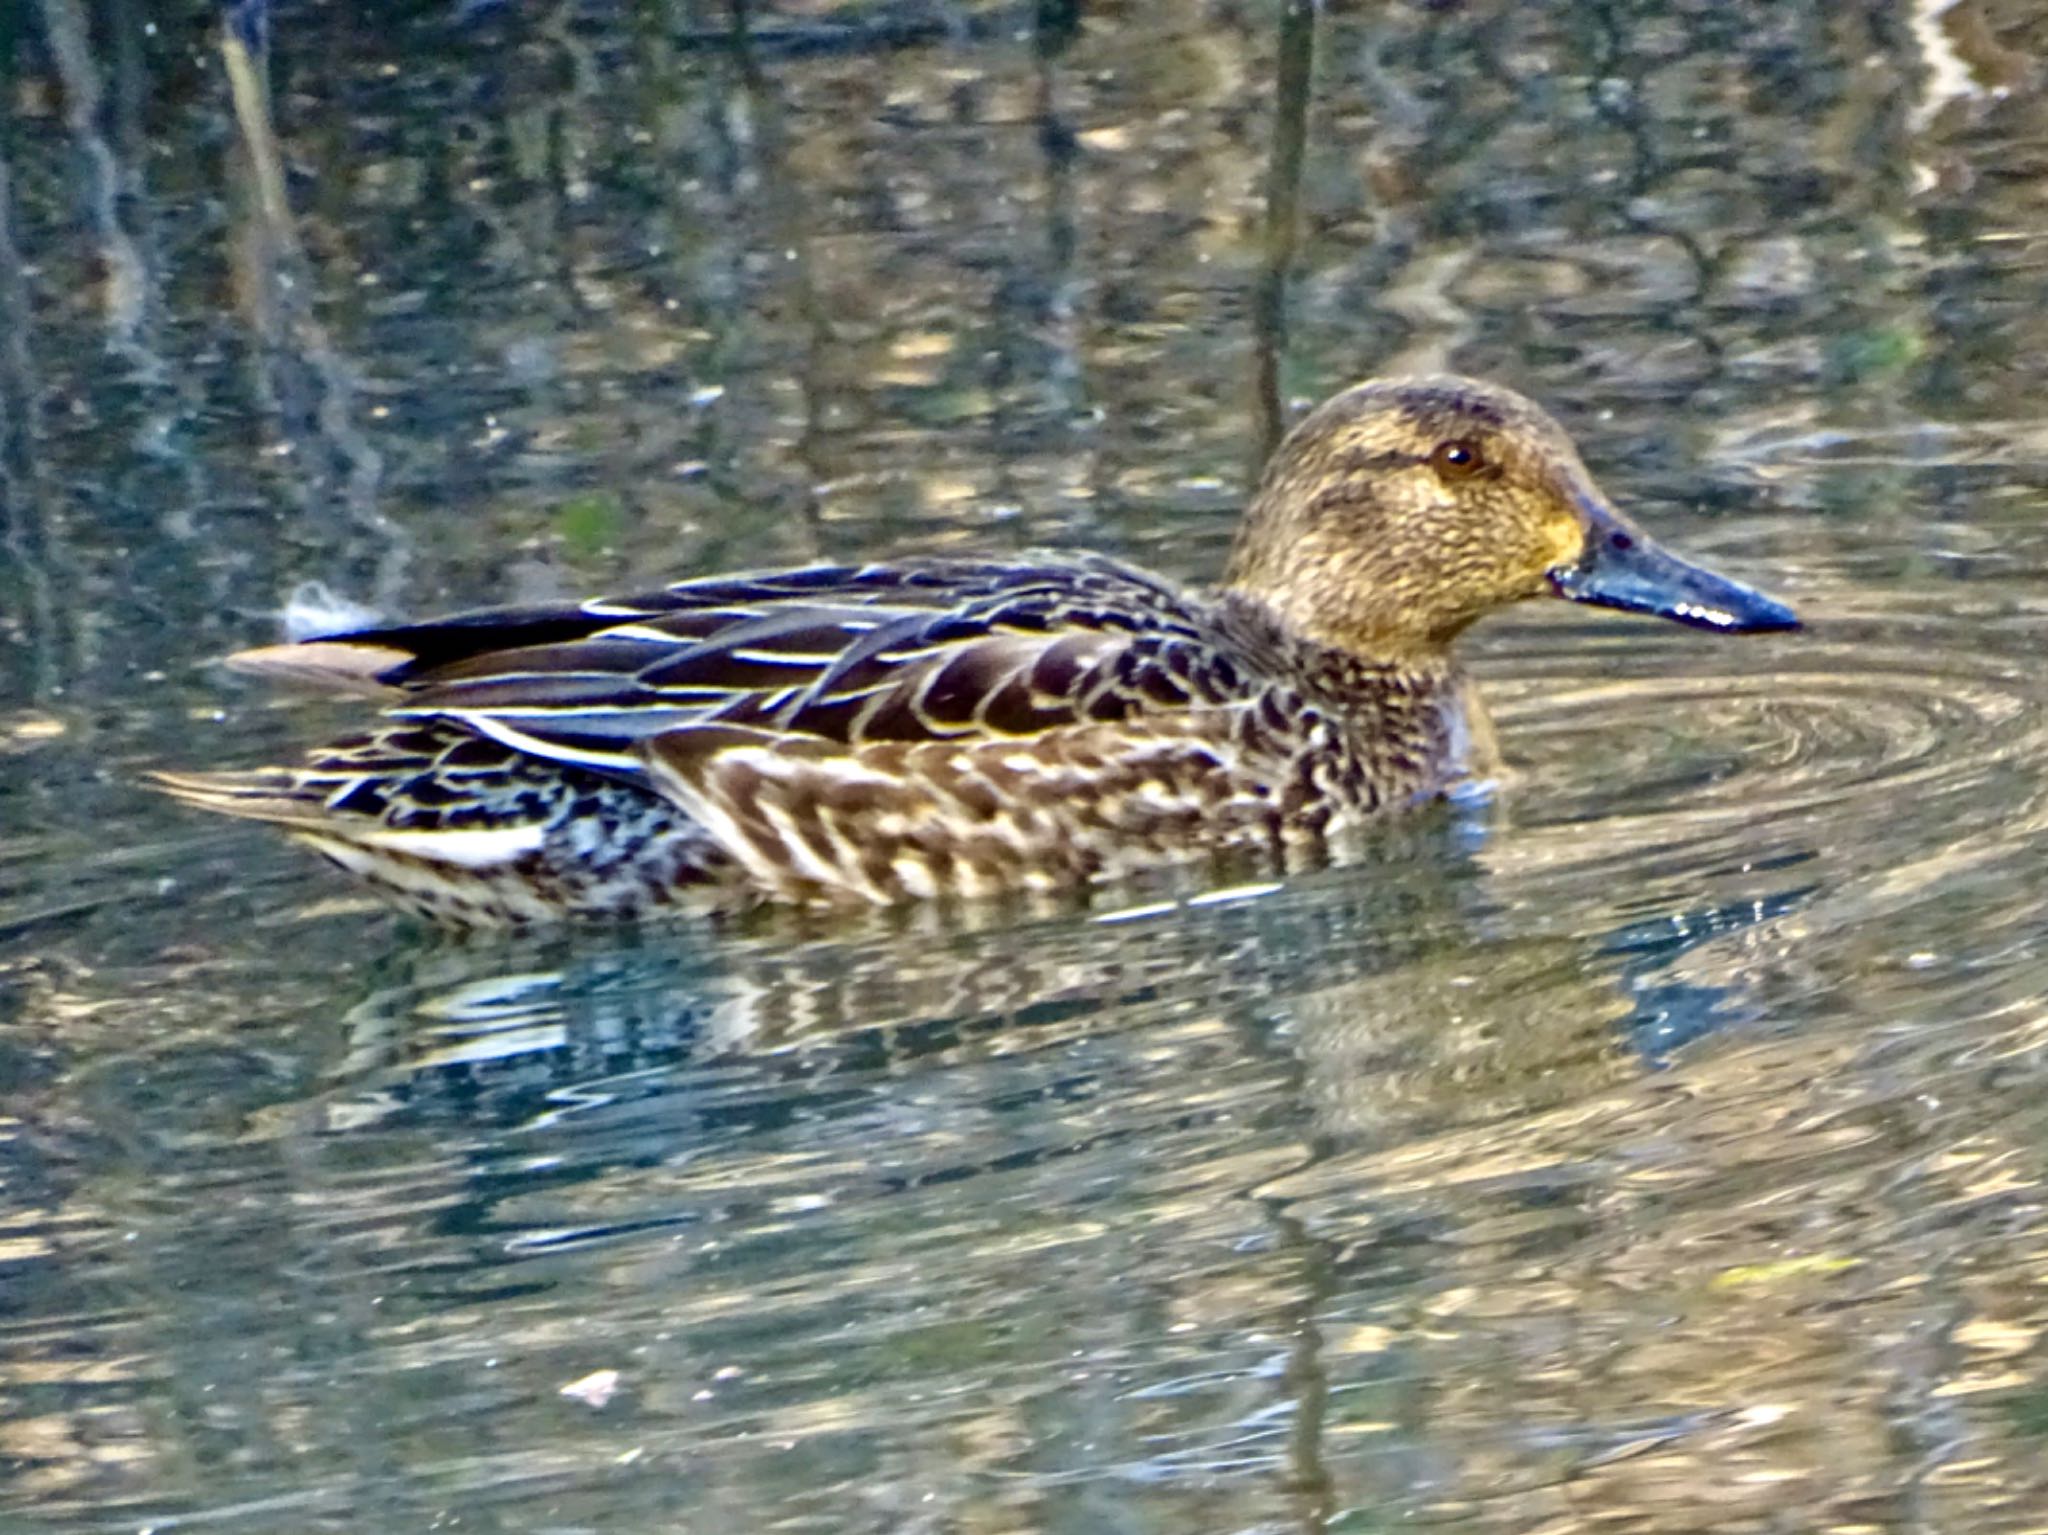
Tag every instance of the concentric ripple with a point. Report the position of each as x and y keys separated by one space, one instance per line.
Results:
x=1871 y=718
x=1882 y=774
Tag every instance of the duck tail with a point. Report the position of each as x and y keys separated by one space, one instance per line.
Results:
x=280 y=796
x=346 y=668
x=467 y=877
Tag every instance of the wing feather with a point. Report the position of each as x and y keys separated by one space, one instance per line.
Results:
x=924 y=651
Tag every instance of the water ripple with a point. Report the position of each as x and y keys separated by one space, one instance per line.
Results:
x=1916 y=724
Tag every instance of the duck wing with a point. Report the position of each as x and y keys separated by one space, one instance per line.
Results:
x=914 y=651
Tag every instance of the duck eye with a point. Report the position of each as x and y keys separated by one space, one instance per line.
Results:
x=1457 y=460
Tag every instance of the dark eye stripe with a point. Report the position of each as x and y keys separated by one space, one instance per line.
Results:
x=1363 y=462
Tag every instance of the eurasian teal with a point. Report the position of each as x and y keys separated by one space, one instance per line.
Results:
x=932 y=727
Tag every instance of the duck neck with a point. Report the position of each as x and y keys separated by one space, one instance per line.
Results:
x=1345 y=600
x=1344 y=662
x=1415 y=703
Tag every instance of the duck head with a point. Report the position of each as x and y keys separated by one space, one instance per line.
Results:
x=1401 y=510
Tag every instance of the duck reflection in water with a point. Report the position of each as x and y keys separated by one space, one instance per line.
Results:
x=1387 y=1006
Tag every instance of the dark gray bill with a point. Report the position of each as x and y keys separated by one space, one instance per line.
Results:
x=1622 y=568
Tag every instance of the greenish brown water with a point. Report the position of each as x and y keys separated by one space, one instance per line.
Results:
x=1659 y=1146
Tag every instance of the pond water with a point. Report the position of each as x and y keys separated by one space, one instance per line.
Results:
x=1657 y=1146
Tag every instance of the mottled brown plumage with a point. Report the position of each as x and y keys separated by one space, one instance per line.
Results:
x=933 y=727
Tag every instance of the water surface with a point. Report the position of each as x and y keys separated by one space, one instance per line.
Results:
x=1657 y=1146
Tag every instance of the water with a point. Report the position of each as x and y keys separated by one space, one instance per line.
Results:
x=1656 y=1147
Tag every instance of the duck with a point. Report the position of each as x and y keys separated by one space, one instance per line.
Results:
x=961 y=727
